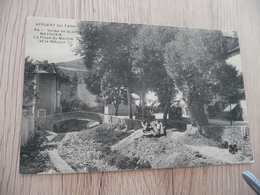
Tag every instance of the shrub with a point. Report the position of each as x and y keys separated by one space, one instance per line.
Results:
x=74 y=105
x=214 y=133
x=121 y=161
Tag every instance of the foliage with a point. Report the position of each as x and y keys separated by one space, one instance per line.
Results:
x=192 y=60
x=116 y=95
x=73 y=105
x=216 y=111
x=149 y=72
x=105 y=49
x=113 y=92
x=159 y=59
x=214 y=133
x=29 y=92
x=230 y=83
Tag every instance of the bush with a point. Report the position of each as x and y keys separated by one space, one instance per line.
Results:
x=121 y=161
x=214 y=133
x=74 y=105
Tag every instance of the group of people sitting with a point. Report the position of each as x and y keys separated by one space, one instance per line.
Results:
x=153 y=128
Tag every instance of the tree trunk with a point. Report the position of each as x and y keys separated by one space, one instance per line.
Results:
x=197 y=112
x=116 y=107
x=230 y=114
x=143 y=106
x=129 y=103
x=143 y=97
x=165 y=111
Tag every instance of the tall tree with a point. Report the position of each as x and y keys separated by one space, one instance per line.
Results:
x=106 y=51
x=147 y=51
x=192 y=60
x=29 y=92
x=230 y=85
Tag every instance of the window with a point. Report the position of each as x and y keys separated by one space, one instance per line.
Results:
x=41 y=113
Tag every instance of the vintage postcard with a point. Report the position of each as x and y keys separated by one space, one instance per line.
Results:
x=112 y=96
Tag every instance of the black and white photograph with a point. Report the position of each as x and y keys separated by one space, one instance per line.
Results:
x=101 y=96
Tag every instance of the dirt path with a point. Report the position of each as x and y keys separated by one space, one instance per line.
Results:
x=128 y=140
x=59 y=163
x=219 y=154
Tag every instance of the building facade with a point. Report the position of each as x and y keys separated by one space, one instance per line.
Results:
x=52 y=86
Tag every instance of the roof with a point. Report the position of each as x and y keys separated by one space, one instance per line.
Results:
x=229 y=108
x=51 y=69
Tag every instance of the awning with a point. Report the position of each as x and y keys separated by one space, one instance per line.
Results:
x=227 y=109
x=134 y=95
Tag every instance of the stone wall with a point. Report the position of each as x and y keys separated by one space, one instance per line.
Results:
x=27 y=128
x=123 y=122
x=46 y=123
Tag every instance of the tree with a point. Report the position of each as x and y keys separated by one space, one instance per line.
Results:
x=230 y=85
x=112 y=90
x=116 y=96
x=192 y=60
x=147 y=52
x=29 y=91
x=106 y=51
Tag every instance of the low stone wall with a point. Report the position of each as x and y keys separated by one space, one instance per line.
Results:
x=46 y=123
x=123 y=122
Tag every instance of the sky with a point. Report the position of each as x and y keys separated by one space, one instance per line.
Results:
x=235 y=61
x=51 y=39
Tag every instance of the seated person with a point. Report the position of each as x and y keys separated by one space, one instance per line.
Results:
x=155 y=128
x=146 y=126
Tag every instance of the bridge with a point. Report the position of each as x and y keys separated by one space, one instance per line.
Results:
x=47 y=123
